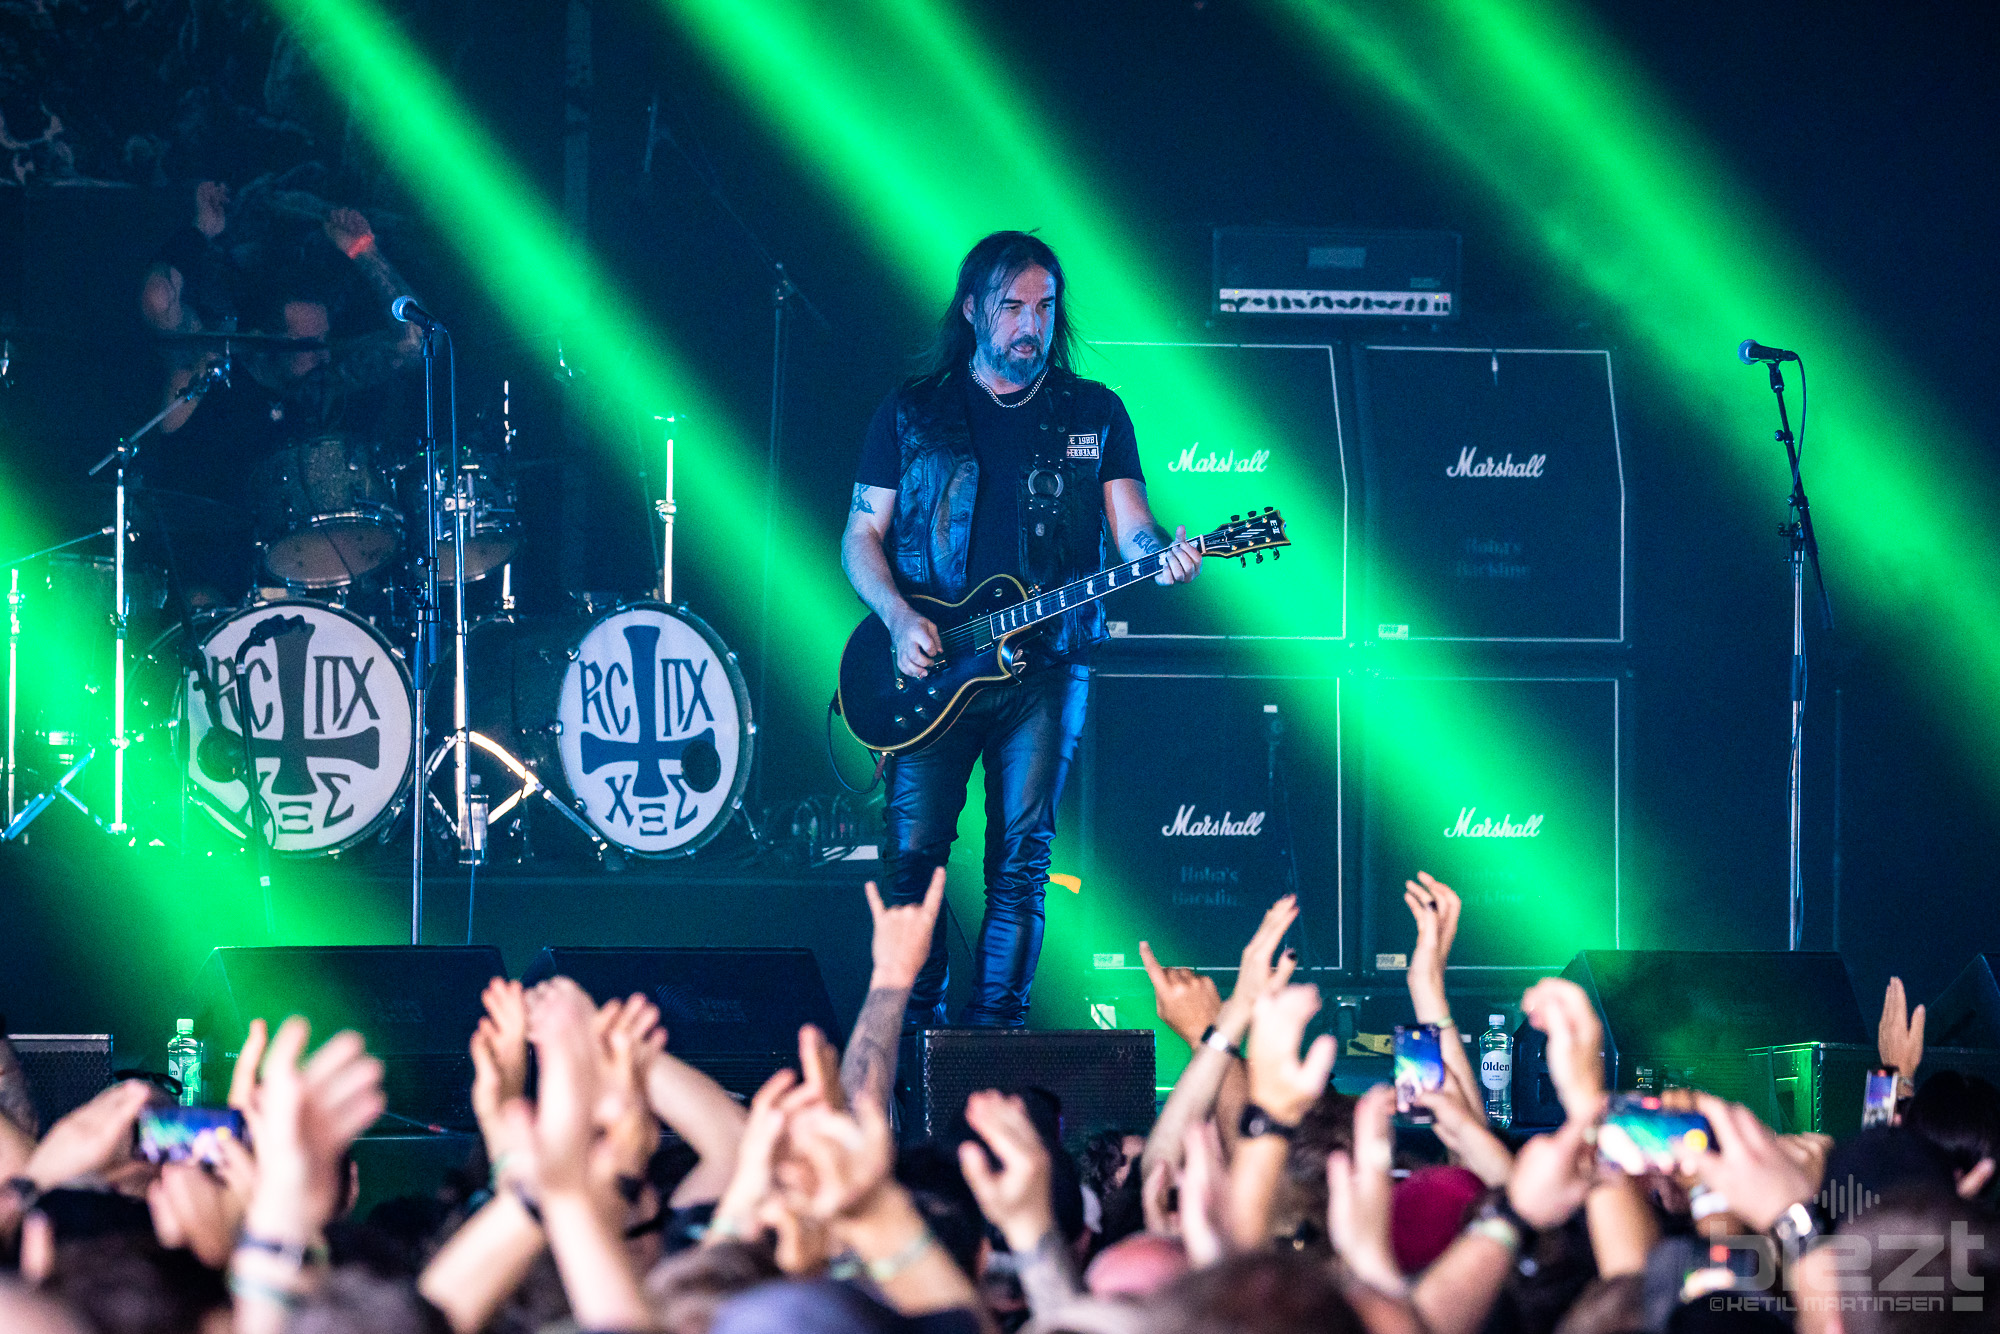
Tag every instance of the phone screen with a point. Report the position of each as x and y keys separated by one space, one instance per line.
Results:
x=1878 y=1099
x=1419 y=1069
x=176 y=1134
x=1640 y=1134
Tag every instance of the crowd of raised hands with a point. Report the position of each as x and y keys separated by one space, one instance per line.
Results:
x=621 y=1189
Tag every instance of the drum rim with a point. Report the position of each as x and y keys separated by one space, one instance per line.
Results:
x=367 y=514
x=733 y=670
x=391 y=811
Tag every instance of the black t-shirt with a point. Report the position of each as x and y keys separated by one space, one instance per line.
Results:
x=1003 y=442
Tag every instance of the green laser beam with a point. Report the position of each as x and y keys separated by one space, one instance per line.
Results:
x=1540 y=108
x=544 y=281
x=927 y=144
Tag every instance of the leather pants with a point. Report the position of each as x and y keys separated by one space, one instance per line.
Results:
x=1027 y=735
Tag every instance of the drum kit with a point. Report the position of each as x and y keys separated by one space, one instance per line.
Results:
x=628 y=719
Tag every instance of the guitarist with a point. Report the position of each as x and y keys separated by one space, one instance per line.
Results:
x=998 y=460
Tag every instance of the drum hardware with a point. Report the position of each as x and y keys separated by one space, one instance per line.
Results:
x=664 y=508
x=531 y=787
x=14 y=600
x=60 y=788
x=125 y=453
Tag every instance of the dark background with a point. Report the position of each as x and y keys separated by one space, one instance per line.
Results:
x=1866 y=130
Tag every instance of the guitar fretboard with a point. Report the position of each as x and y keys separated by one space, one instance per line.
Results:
x=1059 y=600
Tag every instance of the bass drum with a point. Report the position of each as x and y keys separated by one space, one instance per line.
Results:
x=331 y=730
x=640 y=718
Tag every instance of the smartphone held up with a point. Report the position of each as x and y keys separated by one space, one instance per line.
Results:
x=1419 y=1069
x=176 y=1134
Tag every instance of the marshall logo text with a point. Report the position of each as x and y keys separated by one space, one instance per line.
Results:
x=1487 y=467
x=1504 y=827
x=1187 y=824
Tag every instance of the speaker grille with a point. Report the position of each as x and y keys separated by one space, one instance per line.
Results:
x=64 y=1070
x=1103 y=1077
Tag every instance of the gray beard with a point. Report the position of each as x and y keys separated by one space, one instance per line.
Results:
x=1002 y=363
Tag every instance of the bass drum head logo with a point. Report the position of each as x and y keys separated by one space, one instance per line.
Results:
x=654 y=730
x=331 y=726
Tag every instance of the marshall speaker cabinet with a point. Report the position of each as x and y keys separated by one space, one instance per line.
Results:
x=1197 y=794
x=1224 y=429
x=1495 y=495
x=1507 y=789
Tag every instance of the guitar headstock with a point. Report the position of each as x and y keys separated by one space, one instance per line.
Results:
x=1258 y=531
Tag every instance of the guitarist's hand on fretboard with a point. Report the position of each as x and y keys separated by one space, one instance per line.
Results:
x=916 y=641
x=1181 y=560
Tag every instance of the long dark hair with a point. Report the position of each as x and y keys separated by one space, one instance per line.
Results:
x=990 y=267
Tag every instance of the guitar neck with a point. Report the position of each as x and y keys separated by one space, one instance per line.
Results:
x=1047 y=606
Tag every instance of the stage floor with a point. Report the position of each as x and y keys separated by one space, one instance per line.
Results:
x=100 y=938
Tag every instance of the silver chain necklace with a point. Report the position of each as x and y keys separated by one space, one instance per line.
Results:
x=973 y=366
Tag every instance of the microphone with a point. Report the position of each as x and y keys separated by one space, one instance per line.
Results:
x=1749 y=354
x=267 y=630
x=406 y=309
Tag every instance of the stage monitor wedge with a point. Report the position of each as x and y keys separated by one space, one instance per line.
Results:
x=1495 y=491
x=416 y=1005
x=1967 y=1013
x=732 y=1013
x=1103 y=1078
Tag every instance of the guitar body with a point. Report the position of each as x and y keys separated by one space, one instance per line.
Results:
x=895 y=714
x=898 y=714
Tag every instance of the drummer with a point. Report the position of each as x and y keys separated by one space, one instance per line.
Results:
x=277 y=393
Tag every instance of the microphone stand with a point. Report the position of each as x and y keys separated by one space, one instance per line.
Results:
x=424 y=656
x=783 y=293
x=1804 y=546
x=125 y=453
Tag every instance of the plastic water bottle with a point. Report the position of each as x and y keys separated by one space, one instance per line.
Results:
x=184 y=1061
x=1496 y=1071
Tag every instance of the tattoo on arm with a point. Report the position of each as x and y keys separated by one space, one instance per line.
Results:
x=1148 y=540
x=868 y=1069
x=861 y=505
x=381 y=274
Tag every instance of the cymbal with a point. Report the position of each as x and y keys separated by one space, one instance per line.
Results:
x=178 y=512
x=211 y=336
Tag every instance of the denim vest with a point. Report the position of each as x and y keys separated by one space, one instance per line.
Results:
x=1063 y=536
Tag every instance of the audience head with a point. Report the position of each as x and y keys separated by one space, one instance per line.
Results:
x=1137 y=1267
x=1259 y=1292
x=1959 y=1115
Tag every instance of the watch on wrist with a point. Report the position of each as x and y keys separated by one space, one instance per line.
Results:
x=1255 y=1122
x=1498 y=1209
x=1214 y=1039
x=1799 y=1226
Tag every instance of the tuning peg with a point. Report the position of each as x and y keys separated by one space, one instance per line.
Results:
x=1276 y=554
x=1270 y=509
x=1236 y=518
x=1260 y=558
x=1245 y=560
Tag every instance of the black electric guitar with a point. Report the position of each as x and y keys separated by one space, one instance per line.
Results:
x=890 y=713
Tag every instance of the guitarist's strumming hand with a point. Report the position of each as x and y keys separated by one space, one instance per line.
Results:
x=916 y=642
